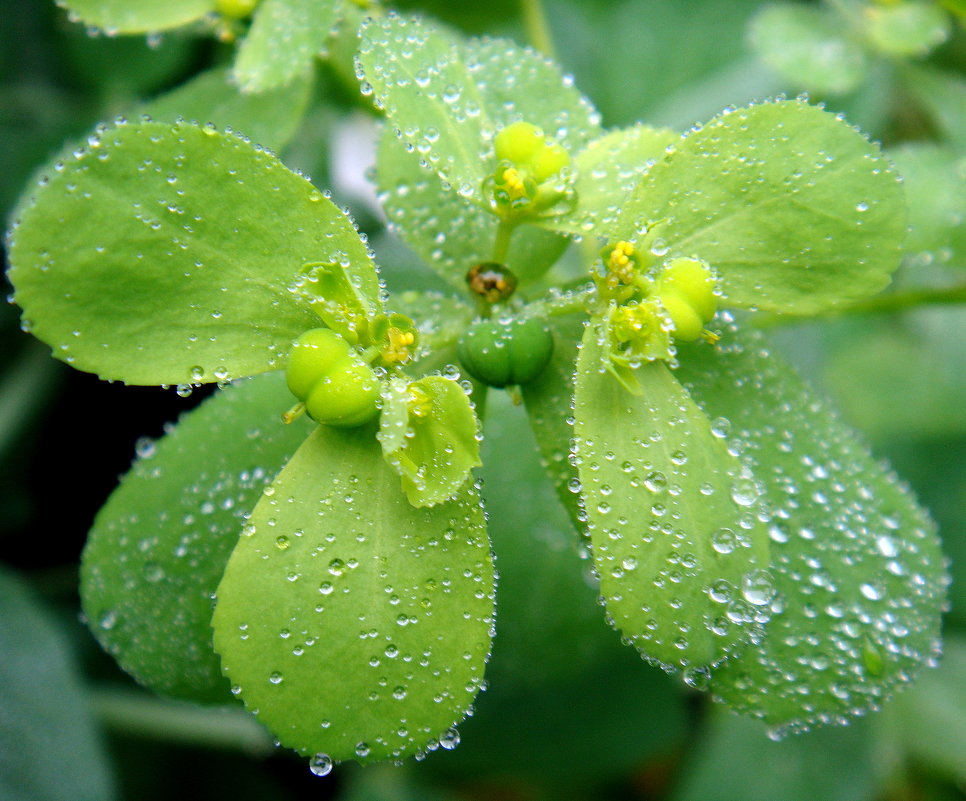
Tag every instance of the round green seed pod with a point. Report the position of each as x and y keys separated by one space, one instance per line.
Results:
x=500 y=353
x=328 y=375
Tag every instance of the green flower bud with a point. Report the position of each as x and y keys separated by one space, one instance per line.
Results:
x=518 y=142
x=235 y=9
x=500 y=354
x=328 y=375
x=686 y=289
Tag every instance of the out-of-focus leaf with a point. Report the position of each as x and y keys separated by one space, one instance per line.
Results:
x=809 y=46
x=734 y=760
x=50 y=748
x=269 y=118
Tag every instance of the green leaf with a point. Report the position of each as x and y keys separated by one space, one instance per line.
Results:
x=734 y=759
x=137 y=16
x=908 y=28
x=285 y=38
x=159 y=545
x=856 y=562
x=416 y=75
x=672 y=515
x=944 y=96
x=165 y=254
x=795 y=209
x=428 y=432
x=355 y=624
x=931 y=717
x=808 y=46
x=270 y=118
x=607 y=169
x=548 y=399
x=448 y=232
x=50 y=748
x=517 y=83
x=933 y=178
x=911 y=381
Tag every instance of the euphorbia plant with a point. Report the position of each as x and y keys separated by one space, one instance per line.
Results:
x=740 y=535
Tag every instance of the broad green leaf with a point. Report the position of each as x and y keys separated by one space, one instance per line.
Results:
x=856 y=562
x=428 y=432
x=269 y=118
x=931 y=717
x=899 y=377
x=734 y=759
x=796 y=210
x=416 y=75
x=549 y=399
x=137 y=16
x=165 y=254
x=909 y=28
x=607 y=169
x=159 y=545
x=933 y=178
x=671 y=513
x=355 y=624
x=284 y=39
x=517 y=83
x=50 y=748
x=450 y=233
x=809 y=46
x=943 y=94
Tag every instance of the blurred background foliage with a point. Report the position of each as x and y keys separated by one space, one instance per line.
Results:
x=570 y=713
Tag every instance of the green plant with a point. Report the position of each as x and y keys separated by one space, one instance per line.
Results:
x=741 y=535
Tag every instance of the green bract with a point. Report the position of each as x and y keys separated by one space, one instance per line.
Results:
x=739 y=535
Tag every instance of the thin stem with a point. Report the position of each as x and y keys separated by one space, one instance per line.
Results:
x=132 y=712
x=538 y=31
x=896 y=301
x=501 y=244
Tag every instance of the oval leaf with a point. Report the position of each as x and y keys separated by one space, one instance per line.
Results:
x=159 y=545
x=671 y=515
x=352 y=623
x=165 y=254
x=283 y=41
x=795 y=209
x=417 y=76
x=137 y=16
x=856 y=562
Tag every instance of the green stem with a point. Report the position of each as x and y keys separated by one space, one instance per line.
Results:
x=501 y=244
x=896 y=301
x=132 y=712
x=538 y=31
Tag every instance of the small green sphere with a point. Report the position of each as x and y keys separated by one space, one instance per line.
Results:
x=500 y=354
